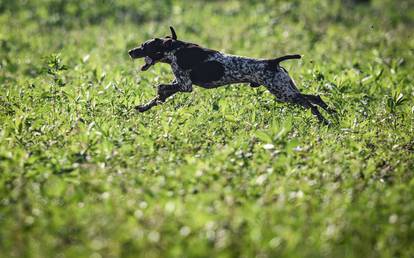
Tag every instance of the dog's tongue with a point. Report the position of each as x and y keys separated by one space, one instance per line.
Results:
x=148 y=63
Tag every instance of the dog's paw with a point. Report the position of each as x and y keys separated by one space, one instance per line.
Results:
x=325 y=122
x=332 y=111
x=142 y=108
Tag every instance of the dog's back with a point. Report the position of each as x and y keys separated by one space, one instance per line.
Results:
x=223 y=69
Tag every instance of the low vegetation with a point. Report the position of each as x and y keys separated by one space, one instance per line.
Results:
x=216 y=173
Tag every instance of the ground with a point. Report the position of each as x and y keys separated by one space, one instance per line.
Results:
x=213 y=173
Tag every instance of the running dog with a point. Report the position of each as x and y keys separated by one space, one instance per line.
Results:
x=207 y=68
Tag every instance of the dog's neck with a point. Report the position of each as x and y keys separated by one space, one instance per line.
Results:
x=170 y=55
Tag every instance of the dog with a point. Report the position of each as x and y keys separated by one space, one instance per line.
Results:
x=207 y=68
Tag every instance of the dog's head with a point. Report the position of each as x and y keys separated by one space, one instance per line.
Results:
x=154 y=50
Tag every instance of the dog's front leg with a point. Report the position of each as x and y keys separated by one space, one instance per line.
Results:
x=147 y=106
x=164 y=91
x=167 y=90
x=182 y=83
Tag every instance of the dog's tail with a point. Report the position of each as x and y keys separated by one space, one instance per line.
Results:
x=275 y=62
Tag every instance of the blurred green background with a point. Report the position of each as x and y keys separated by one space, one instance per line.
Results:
x=216 y=173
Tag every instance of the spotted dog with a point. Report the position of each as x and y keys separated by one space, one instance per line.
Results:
x=207 y=68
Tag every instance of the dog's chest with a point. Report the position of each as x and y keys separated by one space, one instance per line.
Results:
x=174 y=65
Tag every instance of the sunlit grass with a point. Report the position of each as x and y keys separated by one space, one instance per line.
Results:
x=216 y=173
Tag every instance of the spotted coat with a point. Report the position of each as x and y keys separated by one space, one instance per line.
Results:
x=238 y=69
x=192 y=64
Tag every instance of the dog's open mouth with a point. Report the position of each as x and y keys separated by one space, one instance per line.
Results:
x=148 y=62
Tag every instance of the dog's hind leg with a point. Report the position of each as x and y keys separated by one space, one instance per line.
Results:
x=285 y=90
x=302 y=101
x=295 y=97
x=317 y=100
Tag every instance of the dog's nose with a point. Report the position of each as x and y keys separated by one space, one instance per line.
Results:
x=136 y=53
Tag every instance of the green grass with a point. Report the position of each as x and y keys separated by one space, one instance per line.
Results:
x=216 y=173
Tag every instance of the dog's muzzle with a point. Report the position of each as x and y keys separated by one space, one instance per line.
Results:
x=139 y=53
x=136 y=53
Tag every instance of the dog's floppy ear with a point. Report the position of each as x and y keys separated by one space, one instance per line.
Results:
x=173 y=35
x=168 y=43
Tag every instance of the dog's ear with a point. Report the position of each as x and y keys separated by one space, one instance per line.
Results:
x=168 y=43
x=173 y=35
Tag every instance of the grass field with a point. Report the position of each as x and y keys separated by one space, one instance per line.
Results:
x=216 y=173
